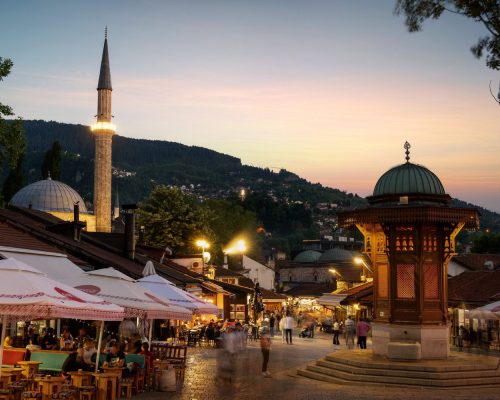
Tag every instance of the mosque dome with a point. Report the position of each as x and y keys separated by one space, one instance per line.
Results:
x=409 y=178
x=338 y=254
x=48 y=195
x=307 y=256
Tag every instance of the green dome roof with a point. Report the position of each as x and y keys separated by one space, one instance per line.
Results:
x=409 y=178
x=307 y=256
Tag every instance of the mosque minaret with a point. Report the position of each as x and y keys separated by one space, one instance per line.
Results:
x=103 y=131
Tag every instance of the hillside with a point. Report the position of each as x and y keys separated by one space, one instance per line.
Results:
x=140 y=164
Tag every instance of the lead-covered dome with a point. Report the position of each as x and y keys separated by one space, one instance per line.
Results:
x=409 y=178
x=48 y=195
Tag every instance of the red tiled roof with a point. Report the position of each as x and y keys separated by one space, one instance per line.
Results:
x=15 y=237
x=474 y=287
x=475 y=262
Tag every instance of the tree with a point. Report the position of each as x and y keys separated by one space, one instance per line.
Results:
x=12 y=140
x=52 y=162
x=174 y=219
x=14 y=181
x=487 y=12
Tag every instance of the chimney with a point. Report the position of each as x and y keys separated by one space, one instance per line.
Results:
x=77 y=230
x=225 y=265
x=129 y=237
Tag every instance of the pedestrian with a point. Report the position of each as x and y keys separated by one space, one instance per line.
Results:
x=282 y=329
x=314 y=323
x=362 y=330
x=272 y=321
x=350 y=331
x=265 y=346
x=288 y=325
x=278 y=320
x=336 y=332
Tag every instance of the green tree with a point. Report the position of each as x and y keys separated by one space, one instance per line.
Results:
x=487 y=243
x=232 y=221
x=14 y=180
x=486 y=12
x=12 y=140
x=175 y=219
x=52 y=162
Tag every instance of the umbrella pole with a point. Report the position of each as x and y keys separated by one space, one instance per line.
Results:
x=101 y=331
x=151 y=322
x=4 y=330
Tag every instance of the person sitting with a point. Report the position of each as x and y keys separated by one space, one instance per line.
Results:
x=115 y=357
x=7 y=343
x=66 y=340
x=148 y=356
x=74 y=362
x=48 y=341
x=89 y=352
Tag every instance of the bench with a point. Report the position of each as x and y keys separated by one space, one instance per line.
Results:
x=12 y=356
x=404 y=350
x=166 y=352
x=52 y=361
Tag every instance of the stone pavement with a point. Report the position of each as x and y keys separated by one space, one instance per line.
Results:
x=201 y=382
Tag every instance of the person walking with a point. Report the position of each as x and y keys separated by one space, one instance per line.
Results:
x=362 y=330
x=272 y=321
x=265 y=347
x=288 y=325
x=282 y=329
x=350 y=330
x=336 y=332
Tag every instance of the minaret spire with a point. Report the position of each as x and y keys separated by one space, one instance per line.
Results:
x=103 y=131
x=105 y=73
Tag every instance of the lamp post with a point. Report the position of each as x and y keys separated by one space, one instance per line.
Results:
x=203 y=244
x=361 y=261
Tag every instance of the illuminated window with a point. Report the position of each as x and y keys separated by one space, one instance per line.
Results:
x=406 y=281
x=431 y=287
x=383 y=287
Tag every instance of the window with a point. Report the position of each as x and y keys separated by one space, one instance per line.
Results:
x=431 y=282
x=383 y=287
x=405 y=281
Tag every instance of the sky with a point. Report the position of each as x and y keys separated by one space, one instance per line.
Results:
x=327 y=89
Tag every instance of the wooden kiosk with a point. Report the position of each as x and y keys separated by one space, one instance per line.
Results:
x=409 y=234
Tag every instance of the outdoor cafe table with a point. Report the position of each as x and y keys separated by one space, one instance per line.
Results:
x=30 y=368
x=80 y=378
x=103 y=379
x=13 y=373
x=50 y=385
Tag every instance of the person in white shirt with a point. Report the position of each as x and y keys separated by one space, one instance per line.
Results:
x=288 y=325
x=336 y=332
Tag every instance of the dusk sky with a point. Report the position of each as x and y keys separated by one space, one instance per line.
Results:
x=327 y=89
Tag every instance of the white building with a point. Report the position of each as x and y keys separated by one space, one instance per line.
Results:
x=258 y=272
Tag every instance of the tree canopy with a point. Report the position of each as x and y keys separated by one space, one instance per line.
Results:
x=52 y=162
x=174 y=219
x=486 y=12
x=12 y=140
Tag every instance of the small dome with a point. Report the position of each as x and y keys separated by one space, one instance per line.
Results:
x=307 y=256
x=337 y=254
x=409 y=178
x=48 y=195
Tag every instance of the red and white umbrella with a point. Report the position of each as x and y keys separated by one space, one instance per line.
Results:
x=120 y=289
x=26 y=293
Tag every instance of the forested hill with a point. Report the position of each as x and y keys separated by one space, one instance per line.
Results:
x=140 y=164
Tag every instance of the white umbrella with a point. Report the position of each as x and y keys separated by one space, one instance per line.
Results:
x=489 y=311
x=120 y=289
x=26 y=293
x=167 y=289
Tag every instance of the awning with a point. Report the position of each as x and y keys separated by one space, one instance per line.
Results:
x=331 y=300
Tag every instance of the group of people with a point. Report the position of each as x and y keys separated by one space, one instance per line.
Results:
x=351 y=330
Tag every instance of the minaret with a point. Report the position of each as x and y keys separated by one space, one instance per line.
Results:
x=103 y=131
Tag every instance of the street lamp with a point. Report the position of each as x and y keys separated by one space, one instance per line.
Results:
x=203 y=244
x=360 y=261
x=239 y=247
x=334 y=272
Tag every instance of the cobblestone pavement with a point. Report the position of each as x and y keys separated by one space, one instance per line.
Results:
x=201 y=382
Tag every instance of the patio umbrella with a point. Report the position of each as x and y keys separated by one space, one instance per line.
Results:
x=167 y=289
x=489 y=311
x=26 y=293
x=112 y=285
